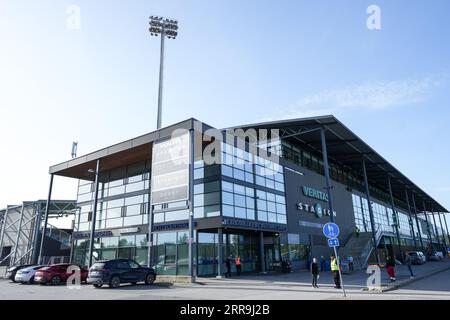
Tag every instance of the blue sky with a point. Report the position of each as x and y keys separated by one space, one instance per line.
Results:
x=233 y=62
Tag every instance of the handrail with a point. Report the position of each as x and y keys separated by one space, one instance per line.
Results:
x=365 y=255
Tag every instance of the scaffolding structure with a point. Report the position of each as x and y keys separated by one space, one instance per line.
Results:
x=21 y=228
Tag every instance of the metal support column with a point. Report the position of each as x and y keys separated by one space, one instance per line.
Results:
x=44 y=229
x=369 y=203
x=16 y=245
x=160 y=89
x=150 y=220
x=417 y=220
x=411 y=223
x=2 y=235
x=436 y=228
x=94 y=211
x=443 y=233
x=219 y=252
x=428 y=226
x=261 y=252
x=191 y=203
x=446 y=228
x=396 y=223
x=37 y=228
x=327 y=173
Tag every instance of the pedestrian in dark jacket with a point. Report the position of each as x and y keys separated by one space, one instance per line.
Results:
x=228 y=265
x=314 y=272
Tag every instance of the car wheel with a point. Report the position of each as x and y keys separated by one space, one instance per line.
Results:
x=150 y=278
x=97 y=285
x=32 y=280
x=114 y=282
x=56 y=280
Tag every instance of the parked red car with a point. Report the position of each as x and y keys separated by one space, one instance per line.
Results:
x=57 y=273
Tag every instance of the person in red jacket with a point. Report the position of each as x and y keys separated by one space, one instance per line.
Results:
x=238 y=265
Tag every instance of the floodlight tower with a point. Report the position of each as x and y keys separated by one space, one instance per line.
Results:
x=165 y=28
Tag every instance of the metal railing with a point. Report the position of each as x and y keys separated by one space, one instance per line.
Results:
x=365 y=254
x=59 y=235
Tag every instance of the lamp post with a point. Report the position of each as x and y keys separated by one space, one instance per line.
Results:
x=163 y=27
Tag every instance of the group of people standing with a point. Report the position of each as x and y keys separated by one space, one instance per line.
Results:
x=237 y=263
x=334 y=269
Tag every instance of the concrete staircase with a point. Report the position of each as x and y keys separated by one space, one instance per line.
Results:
x=360 y=248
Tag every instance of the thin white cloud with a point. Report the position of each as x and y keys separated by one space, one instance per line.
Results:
x=374 y=95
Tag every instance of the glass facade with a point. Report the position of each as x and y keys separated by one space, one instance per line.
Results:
x=171 y=255
x=383 y=218
x=122 y=200
x=126 y=247
x=243 y=186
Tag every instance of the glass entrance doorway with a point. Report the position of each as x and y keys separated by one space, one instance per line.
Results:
x=243 y=243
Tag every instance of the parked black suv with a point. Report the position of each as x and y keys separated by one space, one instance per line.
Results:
x=115 y=272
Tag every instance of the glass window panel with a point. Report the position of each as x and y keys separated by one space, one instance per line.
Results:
x=260 y=181
x=281 y=208
x=85 y=188
x=212 y=186
x=114 y=213
x=279 y=186
x=177 y=204
x=249 y=177
x=212 y=198
x=134 y=210
x=134 y=179
x=84 y=197
x=177 y=215
x=226 y=186
x=212 y=211
x=198 y=188
x=158 y=217
x=280 y=199
x=134 y=200
x=249 y=192
x=227 y=198
x=272 y=217
x=239 y=189
x=281 y=219
x=260 y=194
x=271 y=206
x=199 y=173
x=270 y=197
x=227 y=171
x=240 y=213
x=127 y=241
x=199 y=212
x=137 y=186
x=248 y=167
x=113 y=223
x=262 y=215
x=238 y=174
x=239 y=200
x=117 y=190
x=115 y=203
x=250 y=202
x=199 y=200
x=262 y=205
x=250 y=214
x=270 y=184
x=115 y=183
x=133 y=220
x=228 y=211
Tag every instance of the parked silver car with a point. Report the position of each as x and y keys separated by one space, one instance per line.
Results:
x=417 y=257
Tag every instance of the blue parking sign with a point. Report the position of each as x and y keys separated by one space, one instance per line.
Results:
x=333 y=243
x=331 y=230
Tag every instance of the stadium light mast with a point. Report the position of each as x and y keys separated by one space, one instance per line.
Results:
x=163 y=27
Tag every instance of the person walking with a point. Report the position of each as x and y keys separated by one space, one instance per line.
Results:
x=350 y=263
x=408 y=264
x=390 y=267
x=357 y=231
x=228 y=265
x=238 y=265
x=315 y=273
x=335 y=270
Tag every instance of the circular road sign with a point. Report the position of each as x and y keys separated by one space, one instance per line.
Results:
x=331 y=230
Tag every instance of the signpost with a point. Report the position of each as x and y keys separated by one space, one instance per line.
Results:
x=331 y=231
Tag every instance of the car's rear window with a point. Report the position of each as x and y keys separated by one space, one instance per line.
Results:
x=98 y=265
x=413 y=253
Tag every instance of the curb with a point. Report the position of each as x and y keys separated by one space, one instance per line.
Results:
x=406 y=282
